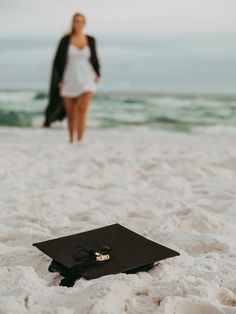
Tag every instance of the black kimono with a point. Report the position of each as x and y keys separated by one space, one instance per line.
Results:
x=55 y=109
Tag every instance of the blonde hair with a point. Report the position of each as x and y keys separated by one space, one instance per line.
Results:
x=72 y=30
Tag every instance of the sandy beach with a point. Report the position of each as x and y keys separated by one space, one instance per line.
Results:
x=176 y=189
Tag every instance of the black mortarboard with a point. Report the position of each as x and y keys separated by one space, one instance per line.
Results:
x=103 y=251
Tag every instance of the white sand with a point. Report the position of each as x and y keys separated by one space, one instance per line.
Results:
x=176 y=189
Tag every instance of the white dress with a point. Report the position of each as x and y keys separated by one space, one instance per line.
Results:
x=79 y=74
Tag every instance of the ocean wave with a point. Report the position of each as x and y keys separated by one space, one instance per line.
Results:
x=175 y=113
x=40 y=95
x=19 y=118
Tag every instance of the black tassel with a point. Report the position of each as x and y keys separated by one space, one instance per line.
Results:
x=90 y=260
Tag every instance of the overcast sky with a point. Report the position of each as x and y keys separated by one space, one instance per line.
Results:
x=120 y=17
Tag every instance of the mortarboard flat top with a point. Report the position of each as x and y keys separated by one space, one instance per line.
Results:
x=129 y=250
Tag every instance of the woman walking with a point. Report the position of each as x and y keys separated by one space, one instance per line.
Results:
x=76 y=71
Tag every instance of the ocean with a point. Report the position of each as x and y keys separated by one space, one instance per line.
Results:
x=174 y=113
x=184 y=84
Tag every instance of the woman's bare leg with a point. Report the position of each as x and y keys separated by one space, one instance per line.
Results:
x=69 y=104
x=82 y=105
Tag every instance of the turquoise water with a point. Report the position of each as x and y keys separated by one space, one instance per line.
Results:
x=177 y=113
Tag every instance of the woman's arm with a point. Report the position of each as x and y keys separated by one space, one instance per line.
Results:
x=55 y=76
x=96 y=61
x=59 y=59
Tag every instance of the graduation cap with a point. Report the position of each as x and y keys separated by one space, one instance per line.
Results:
x=103 y=251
